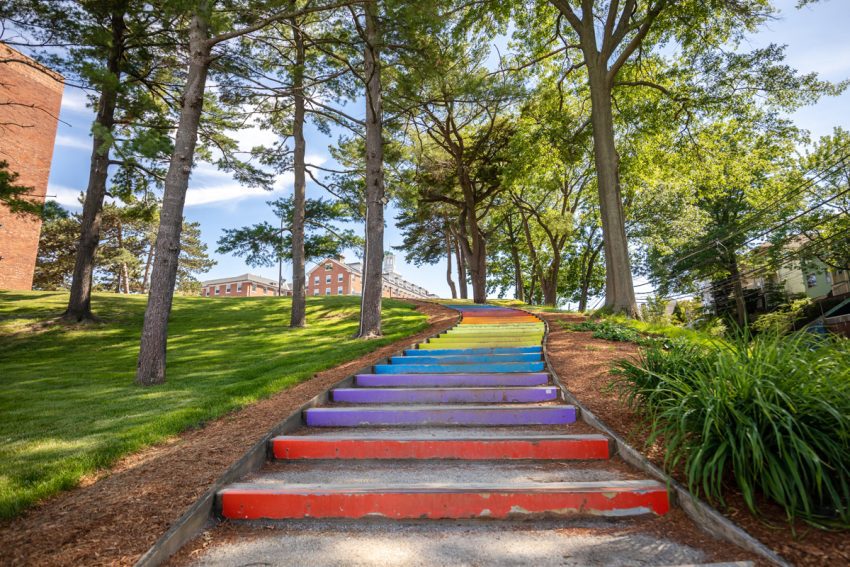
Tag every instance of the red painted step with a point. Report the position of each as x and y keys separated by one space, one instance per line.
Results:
x=434 y=501
x=542 y=447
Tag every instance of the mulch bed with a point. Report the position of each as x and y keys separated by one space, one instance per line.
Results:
x=583 y=364
x=113 y=519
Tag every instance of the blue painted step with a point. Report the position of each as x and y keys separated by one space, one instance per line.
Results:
x=463 y=368
x=449 y=380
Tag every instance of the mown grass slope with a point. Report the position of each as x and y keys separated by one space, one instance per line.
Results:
x=68 y=405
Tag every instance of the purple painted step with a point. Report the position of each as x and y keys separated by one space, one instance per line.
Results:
x=445 y=395
x=450 y=380
x=440 y=415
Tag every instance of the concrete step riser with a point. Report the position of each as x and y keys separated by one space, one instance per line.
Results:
x=439 y=415
x=445 y=395
x=449 y=380
x=578 y=447
x=277 y=504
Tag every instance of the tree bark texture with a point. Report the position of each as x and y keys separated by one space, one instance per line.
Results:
x=461 y=268
x=449 y=265
x=152 y=359
x=737 y=291
x=519 y=286
x=299 y=292
x=619 y=289
x=370 y=300
x=79 y=301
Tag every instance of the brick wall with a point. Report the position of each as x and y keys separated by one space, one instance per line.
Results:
x=238 y=289
x=334 y=281
x=27 y=134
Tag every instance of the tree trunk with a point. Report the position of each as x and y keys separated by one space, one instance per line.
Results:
x=148 y=264
x=123 y=274
x=519 y=291
x=151 y=365
x=299 y=292
x=449 y=265
x=370 y=300
x=737 y=291
x=461 y=269
x=585 y=279
x=79 y=301
x=619 y=290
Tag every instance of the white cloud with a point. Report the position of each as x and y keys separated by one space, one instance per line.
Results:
x=211 y=186
x=74 y=100
x=73 y=142
x=65 y=196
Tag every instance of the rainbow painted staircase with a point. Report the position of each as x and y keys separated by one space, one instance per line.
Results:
x=467 y=425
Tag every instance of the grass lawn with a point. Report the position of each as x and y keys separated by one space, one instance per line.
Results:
x=67 y=398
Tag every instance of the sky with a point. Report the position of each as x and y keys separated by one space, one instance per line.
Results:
x=816 y=39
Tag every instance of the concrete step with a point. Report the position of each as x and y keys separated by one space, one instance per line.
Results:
x=467 y=358
x=451 y=380
x=440 y=415
x=443 y=500
x=500 y=395
x=556 y=542
x=464 y=368
x=485 y=350
x=458 y=445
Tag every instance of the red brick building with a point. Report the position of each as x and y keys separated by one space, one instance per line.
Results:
x=30 y=97
x=333 y=276
x=246 y=285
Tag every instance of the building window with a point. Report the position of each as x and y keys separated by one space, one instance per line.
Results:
x=316 y=280
x=227 y=289
x=327 y=279
x=253 y=287
x=339 y=290
x=329 y=267
x=239 y=288
x=339 y=277
x=217 y=290
x=811 y=280
x=327 y=291
x=316 y=291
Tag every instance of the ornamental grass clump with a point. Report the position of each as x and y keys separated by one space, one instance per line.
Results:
x=771 y=415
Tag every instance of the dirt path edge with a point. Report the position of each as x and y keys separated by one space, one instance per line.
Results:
x=201 y=514
x=702 y=514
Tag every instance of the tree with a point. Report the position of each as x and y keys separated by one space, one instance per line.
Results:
x=613 y=43
x=373 y=258
x=826 y=225
x=264 y=245
x=13 y=195
x=205 y=32
x=127 y=233
x=119 y=50
x=730 y=187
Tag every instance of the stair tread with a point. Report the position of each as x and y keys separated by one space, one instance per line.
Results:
x=570 y=486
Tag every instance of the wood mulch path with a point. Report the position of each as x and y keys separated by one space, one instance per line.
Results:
x=583 y=364
x=113 y=518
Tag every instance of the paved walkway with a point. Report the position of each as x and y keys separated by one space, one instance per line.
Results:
x=466 y=426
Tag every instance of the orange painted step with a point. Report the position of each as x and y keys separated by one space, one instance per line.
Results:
x=436 y=501
x=542 y=447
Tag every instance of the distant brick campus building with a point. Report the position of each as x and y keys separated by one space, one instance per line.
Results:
x=30 y=97
x=246 y=285
x=333 y=276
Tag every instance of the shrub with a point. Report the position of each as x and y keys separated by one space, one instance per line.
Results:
x=771 y=415
x=782 y=320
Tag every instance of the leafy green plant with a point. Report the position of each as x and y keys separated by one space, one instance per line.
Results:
x=607 y=330
x=782 y=320
x=771 y=415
